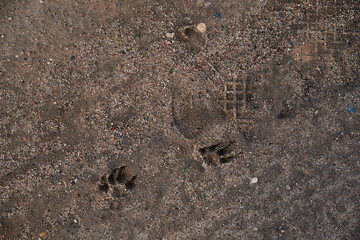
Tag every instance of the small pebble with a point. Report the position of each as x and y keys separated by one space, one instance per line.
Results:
x=170 y=35
x=41 y=1
x=254 y=180
x=199 y=2
x=201 y=27
x=207 y=4
x=351 y=110
x=217 y=15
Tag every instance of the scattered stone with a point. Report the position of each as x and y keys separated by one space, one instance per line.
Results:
x=254 y=180
x=170 y=35
x=41 y=1
x=201 y=27
x=207 y=4
x=217 y=15
x=351 y=110
x=199 y=2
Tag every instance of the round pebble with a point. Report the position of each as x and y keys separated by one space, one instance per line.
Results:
x=254 y=180
x=201 y=27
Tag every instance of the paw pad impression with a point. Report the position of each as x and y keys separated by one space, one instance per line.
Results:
x=218 y=153
x=119 y=176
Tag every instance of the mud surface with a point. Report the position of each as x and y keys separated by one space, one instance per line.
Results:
x=127 y=120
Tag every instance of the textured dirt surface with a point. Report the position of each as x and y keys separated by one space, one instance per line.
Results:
x=121 y=120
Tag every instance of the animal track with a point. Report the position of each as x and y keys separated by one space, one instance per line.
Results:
x=218 y=153
x=190 y=34
x=120 y=177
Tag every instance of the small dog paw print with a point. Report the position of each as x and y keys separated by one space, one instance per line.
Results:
x=218 y=153
x=120 y=177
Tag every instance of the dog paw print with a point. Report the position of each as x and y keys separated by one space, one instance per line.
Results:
x=119 y=178
x=193 y=36
x=218 y=153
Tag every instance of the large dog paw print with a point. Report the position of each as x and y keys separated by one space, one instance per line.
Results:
x=120 y=177
x=218 y=153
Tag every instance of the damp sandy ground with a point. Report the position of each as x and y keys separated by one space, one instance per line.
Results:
x=129 y=120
